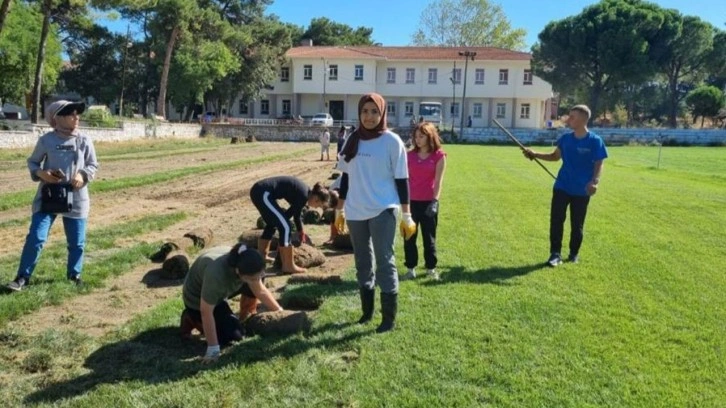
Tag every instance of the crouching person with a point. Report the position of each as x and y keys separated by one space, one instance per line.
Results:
x=213 y=277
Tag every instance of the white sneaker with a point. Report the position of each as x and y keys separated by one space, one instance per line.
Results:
x=432 y=274
x=410 y=275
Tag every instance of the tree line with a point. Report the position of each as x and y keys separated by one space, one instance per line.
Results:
x=191 y=52
x=637 y=58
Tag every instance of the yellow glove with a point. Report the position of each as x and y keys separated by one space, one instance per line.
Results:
x=340 y=221
x=408 y=227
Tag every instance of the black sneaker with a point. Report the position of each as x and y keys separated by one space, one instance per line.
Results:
x=18 y=284
x=573 y=258
x=76 y=280
x=555 y=259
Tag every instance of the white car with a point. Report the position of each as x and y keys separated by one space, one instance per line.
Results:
x=322 y=119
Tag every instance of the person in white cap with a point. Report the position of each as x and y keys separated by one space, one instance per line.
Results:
x=64 y=162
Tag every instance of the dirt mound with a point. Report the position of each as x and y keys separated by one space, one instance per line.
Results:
x=281 y=323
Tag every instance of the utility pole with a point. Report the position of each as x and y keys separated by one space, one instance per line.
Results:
x=466 y=54
x=127 y=45
x=325 y=77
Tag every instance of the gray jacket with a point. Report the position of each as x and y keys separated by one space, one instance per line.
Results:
x=54 y=151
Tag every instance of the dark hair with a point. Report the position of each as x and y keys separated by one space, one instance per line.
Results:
x=248 y=261
x=321 y=192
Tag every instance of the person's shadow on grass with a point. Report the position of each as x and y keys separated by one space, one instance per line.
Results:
x=160 y=355
x=495 y=275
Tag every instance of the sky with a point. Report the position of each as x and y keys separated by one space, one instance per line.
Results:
x=394 y=21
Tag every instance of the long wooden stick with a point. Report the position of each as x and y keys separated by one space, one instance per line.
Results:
x=521 y=146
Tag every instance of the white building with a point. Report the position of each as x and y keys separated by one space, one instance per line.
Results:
x=499 y=84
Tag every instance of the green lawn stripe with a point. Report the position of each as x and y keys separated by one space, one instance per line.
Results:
x=637 y=323
x=48 y=283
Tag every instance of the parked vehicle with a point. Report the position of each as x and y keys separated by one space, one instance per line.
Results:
x=430 y=112
x=322 y=119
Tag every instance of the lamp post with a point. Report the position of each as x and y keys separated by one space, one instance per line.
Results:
x=466 y=54
x=127 y=45
x=453 y=97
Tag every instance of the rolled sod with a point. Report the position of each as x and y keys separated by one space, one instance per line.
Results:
x=176 y=266
x=315 y=278
x=305 y=256
x=201 y=236
x=280 y=323
x=181 y=244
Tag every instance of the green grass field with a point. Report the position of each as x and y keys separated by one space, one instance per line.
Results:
x=639 y=322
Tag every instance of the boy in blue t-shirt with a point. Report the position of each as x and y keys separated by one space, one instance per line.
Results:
x=582 y=153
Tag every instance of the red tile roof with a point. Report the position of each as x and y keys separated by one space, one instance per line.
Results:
x=405 y=53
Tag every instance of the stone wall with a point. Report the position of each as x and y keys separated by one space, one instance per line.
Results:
x=276 y=133
x=612 y=136
x=128 y=131
x=293 y=133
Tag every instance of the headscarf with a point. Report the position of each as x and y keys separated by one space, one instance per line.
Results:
x=351 y=146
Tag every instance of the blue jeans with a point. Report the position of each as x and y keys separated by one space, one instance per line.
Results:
x=75 y=229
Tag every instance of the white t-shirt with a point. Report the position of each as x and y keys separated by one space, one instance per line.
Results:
x=372 y=174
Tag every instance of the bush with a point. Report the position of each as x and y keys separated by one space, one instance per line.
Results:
x=99 y=118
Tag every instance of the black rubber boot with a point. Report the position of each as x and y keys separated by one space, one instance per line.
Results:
x=389 y=308
x=367 y=300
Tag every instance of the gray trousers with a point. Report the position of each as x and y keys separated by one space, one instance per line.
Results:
x=372 y=240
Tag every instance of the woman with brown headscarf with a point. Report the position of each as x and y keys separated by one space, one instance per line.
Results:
x=373 y=185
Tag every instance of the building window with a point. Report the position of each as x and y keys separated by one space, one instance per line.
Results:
x=307 y=72
x=501 y=110
x=527 y=77
x=391 y=75
x=333 y=72
x=455 y=109
x=286 y=107
x=457 y=75
x=433 y=73
x=284 y=74
x=391 y=109
x=265 y=107
x=479 y=76
x=243 y=109
x=503 y=76
x=524 y=111
x=408 y=109
x=410 y=75
x=359 y=72
x=477 y=110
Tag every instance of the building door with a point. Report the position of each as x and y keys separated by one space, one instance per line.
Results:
x=337 y=109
